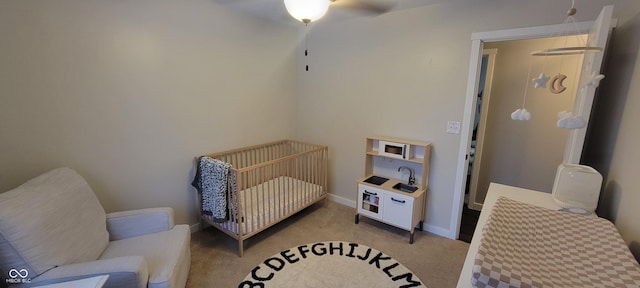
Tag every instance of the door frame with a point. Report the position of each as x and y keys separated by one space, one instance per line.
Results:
x=477 y=42
x=484 y=109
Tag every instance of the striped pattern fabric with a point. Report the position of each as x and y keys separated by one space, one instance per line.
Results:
x=524 y=245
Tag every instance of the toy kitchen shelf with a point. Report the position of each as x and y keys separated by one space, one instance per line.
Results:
x=382 y=195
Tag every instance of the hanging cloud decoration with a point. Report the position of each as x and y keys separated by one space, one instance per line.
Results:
x=595 y=79
x=521 y=115
x=570 y=121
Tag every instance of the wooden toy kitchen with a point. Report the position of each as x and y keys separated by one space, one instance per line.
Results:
x=396 y=178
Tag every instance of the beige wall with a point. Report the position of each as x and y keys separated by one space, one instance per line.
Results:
x=526 y=153
x=404 y=74
x=129 y=92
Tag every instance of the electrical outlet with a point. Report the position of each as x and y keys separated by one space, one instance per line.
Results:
x=453 y=127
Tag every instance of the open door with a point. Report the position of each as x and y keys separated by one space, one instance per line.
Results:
x=477 y=138
x=591 y=66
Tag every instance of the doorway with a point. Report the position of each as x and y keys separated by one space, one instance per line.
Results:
x=505 y=144
x=598 y=32
x=499 y=145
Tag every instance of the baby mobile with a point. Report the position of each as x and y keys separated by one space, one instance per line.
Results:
x=567 y=119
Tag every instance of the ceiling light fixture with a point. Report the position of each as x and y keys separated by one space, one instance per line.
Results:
x=307 y=11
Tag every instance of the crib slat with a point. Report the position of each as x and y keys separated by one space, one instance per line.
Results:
x=256 y=154
x=289 y=183
x=268 y=180
x=277 y=187
x=276 y=196
x=265 y=202
x=297 y=184
x=296 y=175
x=261 y=199
x=310 y=176
x=309 y=180
x=271 y=156
x=246 y=194
x=289 y=188
x=255 y=202
x=315 y=176
x=303 y=176
x=281 y=189
x=268 y=184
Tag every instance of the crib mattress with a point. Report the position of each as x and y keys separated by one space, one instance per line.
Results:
x=272 y=200
x=524 y=245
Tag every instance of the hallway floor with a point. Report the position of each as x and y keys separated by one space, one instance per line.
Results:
x=468 y=224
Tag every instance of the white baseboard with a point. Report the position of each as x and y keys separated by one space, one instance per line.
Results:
x=195 y=228
x=342 y=200
x=475 y=206
x=438 y=231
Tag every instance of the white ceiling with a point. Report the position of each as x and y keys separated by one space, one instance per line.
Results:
x=274 y=9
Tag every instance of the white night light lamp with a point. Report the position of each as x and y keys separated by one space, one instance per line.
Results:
x=307 y=11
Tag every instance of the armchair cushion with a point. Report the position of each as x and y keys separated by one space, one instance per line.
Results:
x=167 y=255
x=124 y=272
x=51 y=220
x=127 y=224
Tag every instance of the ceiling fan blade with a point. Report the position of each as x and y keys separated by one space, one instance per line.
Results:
x=370 y=7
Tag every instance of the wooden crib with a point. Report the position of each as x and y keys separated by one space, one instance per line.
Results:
x=273 y=181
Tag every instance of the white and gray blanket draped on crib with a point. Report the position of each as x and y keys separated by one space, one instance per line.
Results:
x=212 y=180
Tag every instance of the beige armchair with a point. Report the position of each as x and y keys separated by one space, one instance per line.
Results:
x=53 y=229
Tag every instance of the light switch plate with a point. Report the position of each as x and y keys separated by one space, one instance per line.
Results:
x=453 y=127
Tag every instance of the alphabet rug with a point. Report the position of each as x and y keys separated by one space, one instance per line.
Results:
x=331 y=264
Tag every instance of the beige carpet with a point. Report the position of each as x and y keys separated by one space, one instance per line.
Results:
x=435 y=260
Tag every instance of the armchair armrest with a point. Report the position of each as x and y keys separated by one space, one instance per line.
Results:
x=125 y=272
x=127 y=224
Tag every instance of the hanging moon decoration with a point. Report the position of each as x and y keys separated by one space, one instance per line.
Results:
x=557 y=84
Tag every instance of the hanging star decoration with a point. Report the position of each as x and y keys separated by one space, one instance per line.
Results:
x=540 y=81
x=595 y=79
